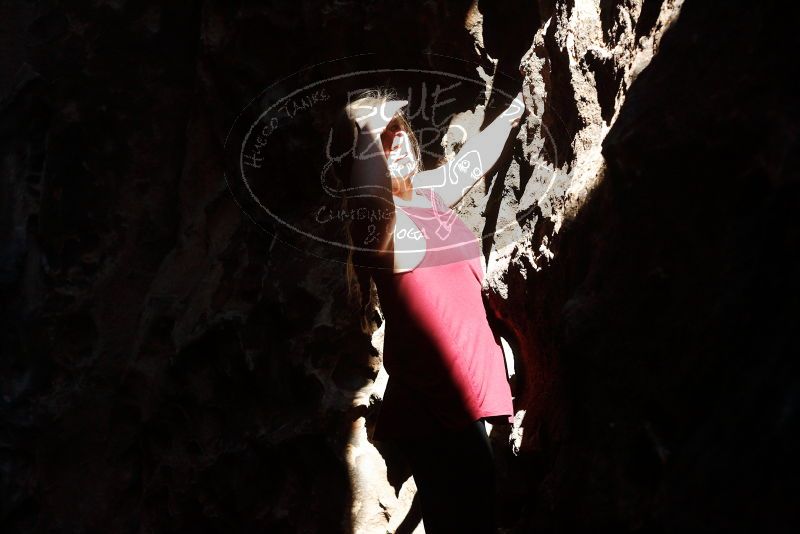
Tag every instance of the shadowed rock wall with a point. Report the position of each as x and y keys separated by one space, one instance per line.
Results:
x=167 y=365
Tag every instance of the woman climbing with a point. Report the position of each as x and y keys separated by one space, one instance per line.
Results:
x=447 y=375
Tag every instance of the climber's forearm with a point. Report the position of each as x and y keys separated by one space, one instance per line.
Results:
x=489 y=144
x=476 y=157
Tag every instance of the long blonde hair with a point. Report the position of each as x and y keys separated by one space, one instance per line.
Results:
x=361 y=291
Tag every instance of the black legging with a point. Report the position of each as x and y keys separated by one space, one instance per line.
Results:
x=454 y=473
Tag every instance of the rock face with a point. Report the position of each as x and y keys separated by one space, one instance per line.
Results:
x=656 y=381
x=167 y=365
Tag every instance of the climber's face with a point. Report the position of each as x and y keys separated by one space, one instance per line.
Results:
x=397 y=147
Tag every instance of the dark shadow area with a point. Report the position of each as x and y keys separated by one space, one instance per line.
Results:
x=167 y=364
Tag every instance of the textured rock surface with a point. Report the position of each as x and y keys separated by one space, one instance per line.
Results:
x=168 y=366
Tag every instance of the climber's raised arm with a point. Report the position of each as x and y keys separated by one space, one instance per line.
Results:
x=475 y=158
x=370 y=173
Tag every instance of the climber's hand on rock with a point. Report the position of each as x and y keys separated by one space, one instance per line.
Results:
x=515 y=110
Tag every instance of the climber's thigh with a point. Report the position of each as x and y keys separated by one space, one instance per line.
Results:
x=454 y=473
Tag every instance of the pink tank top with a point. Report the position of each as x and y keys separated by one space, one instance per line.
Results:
x=445 y=364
